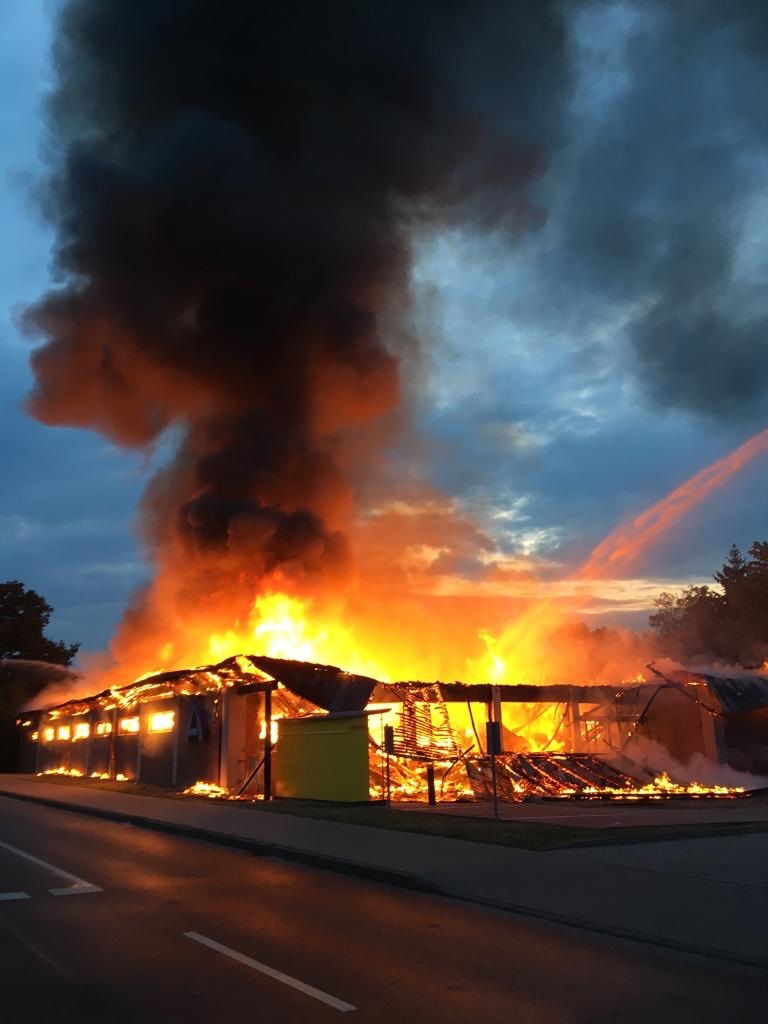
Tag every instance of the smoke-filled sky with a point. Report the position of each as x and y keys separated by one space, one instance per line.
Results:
x=585 y=291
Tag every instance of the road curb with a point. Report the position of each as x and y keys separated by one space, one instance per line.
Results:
x=400 y=879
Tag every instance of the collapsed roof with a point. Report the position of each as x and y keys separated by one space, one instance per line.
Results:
x=334 y=690
x=325 y=686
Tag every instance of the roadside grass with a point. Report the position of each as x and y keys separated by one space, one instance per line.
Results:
x=519 y=834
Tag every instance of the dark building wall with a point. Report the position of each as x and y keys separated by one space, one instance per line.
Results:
x=78 y=750
x=102 y=742
x=199 y=724
x=156 y=761
x=99 y=755
x=188 y=752
x=28 y=749
x=61 y=753
x=746 y=741
x=51 y=753
x=679 y=724
x=28 y=754
x=126 y=755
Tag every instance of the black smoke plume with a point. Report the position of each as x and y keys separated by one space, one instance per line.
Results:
x=232 y=187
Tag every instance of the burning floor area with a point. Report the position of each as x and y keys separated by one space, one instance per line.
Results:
x=254 y=727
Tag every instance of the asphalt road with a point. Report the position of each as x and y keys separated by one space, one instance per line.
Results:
x=111 y=922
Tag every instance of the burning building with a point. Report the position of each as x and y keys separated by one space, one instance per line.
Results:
x=261 y=726
x=237 y=198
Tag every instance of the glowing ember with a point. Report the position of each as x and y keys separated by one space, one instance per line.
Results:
x=209 y=789
x=663 y=784
x=569 y=776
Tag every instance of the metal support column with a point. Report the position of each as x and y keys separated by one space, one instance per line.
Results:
x=496 y=705
x=493 y=746
x=176 y=729
x=268 y=744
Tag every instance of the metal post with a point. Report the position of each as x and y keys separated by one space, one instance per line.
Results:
x=495 y=792
x=389 y=748
x=88 y=743
x=138 y=745
x=493 y=746
x=268 y=744
x=575 y=724
x=496 y=704
x=221 y=718
x=431 y=785
x=176 y=728
x=39 y=727
x=112 y=763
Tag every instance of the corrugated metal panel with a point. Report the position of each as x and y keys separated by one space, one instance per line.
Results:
x=740 y=694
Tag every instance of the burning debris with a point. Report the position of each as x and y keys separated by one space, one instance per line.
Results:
x=210 y=790
x=579 y=776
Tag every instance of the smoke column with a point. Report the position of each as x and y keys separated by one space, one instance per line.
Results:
x=232 y=189
x=655 y=204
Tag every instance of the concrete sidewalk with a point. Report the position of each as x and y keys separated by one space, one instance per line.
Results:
x=589 y=814
x=707 y=896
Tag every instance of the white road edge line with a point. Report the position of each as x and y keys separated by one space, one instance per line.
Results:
x=78 y=886
x=7 y=896
x=286 y=979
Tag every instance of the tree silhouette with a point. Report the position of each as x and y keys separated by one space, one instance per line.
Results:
x=728 y=624
x=24 y=617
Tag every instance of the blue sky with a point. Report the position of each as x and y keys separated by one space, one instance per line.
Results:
x=541 y=419
x=68 y=499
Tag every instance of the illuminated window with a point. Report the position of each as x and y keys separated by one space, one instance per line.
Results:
x=129 y=725
x=162 y=721
x=82 y=731
x=103 y=728
x=274 y=729
x=49 y=734
x=65 y=732
x=35 y=736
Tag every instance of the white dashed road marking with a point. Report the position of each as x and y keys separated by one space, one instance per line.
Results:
x=286 y=979
x=79 y=886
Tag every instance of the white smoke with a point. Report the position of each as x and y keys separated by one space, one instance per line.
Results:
x=655 y=758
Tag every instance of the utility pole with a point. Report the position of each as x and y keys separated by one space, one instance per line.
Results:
x=389 y=748
x=493 y=747
x=268 y=743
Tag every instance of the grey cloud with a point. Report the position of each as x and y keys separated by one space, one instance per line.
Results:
x=650 y=200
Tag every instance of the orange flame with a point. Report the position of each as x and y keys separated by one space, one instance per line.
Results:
x=392 y=627
x=519 y=654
